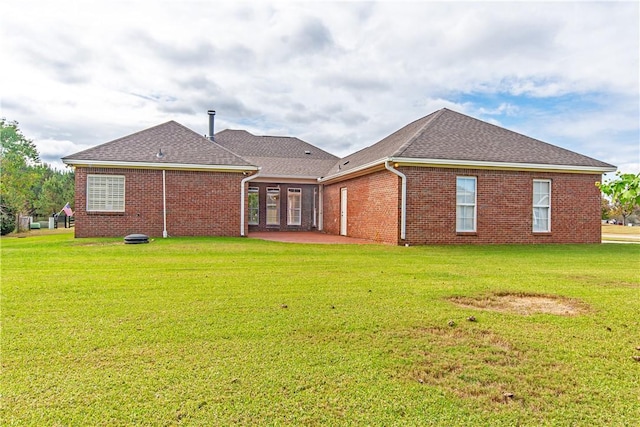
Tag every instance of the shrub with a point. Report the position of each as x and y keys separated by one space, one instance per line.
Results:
x=7 y=219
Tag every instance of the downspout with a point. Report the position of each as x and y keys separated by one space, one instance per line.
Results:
x=315 y=208
x=242 y=185
x=164 y=204
x=403 y=212
x=320 y=207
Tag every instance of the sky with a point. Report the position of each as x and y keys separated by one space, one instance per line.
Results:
x=340 y=75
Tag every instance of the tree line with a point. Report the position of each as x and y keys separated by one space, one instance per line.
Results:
x=28 y=187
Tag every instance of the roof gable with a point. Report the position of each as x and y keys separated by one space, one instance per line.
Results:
x=178 y=144
x=448 y=135
x=452 y=135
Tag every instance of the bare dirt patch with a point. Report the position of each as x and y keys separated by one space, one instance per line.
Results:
x=94 y=243
x=525 y=304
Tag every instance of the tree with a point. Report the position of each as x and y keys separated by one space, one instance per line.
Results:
x=624 y=192
x=28 y=186
x=605 y=208
x=56 y=189
x=18 y=159
x=7 y=218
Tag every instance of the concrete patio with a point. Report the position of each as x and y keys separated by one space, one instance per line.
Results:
x=308 y=237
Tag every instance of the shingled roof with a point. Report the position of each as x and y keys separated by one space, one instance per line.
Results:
x=446 y=135
x=180 y=146
x=278 y=156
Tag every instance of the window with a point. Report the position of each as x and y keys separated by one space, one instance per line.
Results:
x=294 y=206
x=254 y=206
x=466 y=204
x=105 y=193
x=541 y=206
x=273 y=206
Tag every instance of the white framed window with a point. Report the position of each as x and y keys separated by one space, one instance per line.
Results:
x=466 y=204
x=105 y=193
x=541 y=205
x=273 y=206
x=294 y=206
x=254 y=205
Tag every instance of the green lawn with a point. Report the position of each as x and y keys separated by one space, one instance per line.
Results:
x=214 y=331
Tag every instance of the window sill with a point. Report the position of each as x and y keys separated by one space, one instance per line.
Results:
x=110 y=213
x=466 y=233
x=541 y=233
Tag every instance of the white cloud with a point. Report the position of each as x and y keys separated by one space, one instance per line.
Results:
x=341 y=75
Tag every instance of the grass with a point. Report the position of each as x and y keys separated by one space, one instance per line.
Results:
x=215 y=331
x=621 y=230
x=620 y=233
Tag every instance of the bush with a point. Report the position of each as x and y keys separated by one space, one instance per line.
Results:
x=7 y=219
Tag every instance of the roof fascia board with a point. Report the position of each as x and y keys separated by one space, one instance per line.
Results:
x=285 y=179
x=466 y=164
x=473 y=164
x=145 y=165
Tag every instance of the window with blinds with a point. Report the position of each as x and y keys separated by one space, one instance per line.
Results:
x=105 y=193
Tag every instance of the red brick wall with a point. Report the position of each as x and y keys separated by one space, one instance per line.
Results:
x=504 y=207
x=198 y=204
x=373 y=207
x=208 y=204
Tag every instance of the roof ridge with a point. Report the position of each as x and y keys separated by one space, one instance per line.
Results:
x=278 y=137
x=501 y=128
x=170 y=134
x=420 y=130
x=234 y=130
x=123 y=137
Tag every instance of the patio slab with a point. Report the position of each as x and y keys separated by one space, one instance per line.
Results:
x=308 y=237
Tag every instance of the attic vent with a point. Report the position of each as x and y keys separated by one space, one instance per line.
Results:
x=160 y=154
x=346 y=163
x=307 y=152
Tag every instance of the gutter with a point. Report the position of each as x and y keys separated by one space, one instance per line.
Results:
x=288 y=179
x=471 y=164
x=476 y=164
x=403 y=211
x=152 y=165
x=242 y=185
x=291 y=177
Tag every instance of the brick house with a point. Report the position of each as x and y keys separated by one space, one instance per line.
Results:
x=446 y=178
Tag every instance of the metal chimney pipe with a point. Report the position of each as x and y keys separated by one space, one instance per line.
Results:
x=212 y=115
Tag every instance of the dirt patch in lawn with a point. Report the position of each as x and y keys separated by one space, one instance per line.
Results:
x=524 y=303
x=94 y=243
